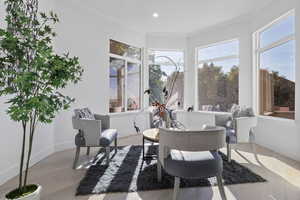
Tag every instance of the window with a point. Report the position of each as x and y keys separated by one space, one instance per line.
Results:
x=218 y=76
x=125 y=77
x=163 y=73
x=275 y=53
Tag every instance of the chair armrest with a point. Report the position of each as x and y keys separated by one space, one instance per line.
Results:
x=223 y=118
x=105 y=120
x=91 y=130
x=243 y=126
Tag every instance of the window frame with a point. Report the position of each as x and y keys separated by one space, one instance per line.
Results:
x=257 y=51
x=218 y=59
x=184 y=71
x=133 y=61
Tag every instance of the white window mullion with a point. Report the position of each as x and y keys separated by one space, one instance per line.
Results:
x=196 y=91
x=141 y=97
x=125 y=87
x=276 y=44
x=218 y=59
x=256 y=61
x=125 y=58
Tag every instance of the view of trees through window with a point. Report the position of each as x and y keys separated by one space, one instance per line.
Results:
x=125 y=77
x=276 y=55
x=218 y=76
x=163 y=74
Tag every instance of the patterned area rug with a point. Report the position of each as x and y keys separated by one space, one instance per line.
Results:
x=128 y=173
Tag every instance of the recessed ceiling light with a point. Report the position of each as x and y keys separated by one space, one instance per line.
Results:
x=155 y=15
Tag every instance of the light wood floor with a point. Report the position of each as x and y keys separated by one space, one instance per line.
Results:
x=59 y=181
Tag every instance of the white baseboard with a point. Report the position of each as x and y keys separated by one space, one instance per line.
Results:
x=64 y=146
x=41 y=155
x=9 y=173
x=37 y=157
x=14 y=169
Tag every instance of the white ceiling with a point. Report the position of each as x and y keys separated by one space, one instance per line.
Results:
x=180 y=16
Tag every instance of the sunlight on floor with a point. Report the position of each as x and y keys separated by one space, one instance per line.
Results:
x=279 y=165
x=282 y=175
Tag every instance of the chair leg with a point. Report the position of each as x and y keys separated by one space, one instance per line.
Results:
x=76 y=157
x=251 y=136
x=116 y=144
x=107 y=152
x=221 y=187
x=176 y=188
x=229 y=152
x=252 y=142
x=158 y=171
x=88 y=151
x=143 y=148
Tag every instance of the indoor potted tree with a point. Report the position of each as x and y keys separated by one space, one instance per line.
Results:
x=32 y=77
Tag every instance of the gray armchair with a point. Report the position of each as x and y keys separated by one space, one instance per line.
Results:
x=93 y=131
x=238 y=128
x=191 y=154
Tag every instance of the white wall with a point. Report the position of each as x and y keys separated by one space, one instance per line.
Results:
x=85 y=33
x=166 y=41
x=11 y=132
x=235 y=30
x=280 y=135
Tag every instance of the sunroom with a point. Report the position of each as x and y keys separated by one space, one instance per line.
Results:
x=149 y=99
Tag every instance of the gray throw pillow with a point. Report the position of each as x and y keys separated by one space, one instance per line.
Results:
x=250 y=112
x=78 y=113
x=84 y=113
x=88 y=113
x=246 y=112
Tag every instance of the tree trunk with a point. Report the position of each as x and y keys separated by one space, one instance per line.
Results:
x=32 y=129
x=24 y=124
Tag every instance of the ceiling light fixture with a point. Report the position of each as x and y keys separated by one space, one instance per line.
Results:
x=155 y=15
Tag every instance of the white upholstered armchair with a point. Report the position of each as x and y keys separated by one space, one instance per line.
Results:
x=191 y=154
x=238 y=129
x=93 y=131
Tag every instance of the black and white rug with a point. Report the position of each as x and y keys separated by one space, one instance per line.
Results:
x=128 y=173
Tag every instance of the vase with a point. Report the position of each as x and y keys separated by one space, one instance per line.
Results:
x=36 y=195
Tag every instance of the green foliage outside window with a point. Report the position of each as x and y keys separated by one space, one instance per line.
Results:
x=217 y=88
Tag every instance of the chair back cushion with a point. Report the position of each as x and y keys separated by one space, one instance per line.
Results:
x=192 y=140
x=185 y=140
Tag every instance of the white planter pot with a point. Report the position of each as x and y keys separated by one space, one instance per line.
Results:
x=33 y=196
